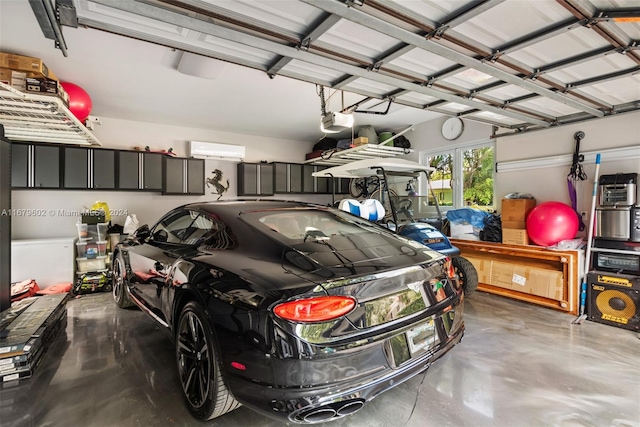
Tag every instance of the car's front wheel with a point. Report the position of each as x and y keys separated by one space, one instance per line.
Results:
x=118 y=282
x=203 y=387
x=467 y=274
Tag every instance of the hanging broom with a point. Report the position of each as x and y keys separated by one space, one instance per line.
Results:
x=587 y=258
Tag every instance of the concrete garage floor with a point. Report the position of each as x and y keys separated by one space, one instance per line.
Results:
x=518 y=365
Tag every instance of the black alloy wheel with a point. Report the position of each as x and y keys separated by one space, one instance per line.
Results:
x=198 y=366
x=118 y=281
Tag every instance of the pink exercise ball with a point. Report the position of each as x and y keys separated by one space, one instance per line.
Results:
x=79 y=101
x=551 y=222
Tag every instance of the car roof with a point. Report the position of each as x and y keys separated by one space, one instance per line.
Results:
x=234 y=207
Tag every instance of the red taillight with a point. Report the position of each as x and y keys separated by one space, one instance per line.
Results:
x=238 y=366
x=318 y=309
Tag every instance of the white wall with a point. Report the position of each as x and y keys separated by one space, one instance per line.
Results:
x=427 y=136
x=549 y=183
x=123 y=134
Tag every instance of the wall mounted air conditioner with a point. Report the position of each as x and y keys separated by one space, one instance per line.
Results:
x=211 y=150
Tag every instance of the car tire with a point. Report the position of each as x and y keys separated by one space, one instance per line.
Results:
x=119 y=282
x=199 y=366
x=467 y=274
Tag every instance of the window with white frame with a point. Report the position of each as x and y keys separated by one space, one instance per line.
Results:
x=464 y=175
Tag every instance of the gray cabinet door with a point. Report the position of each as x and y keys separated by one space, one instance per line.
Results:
x=195 y=176
x=19 y=165
x=174 y=176
x=280 y=177
x=76 y=168
x=247 y=179
x=296 y=178
x=152 y=167
x=128 y=170
x=46 y=165
x=104 y=169
x=307 y=179
x=266 y=179
x=322 y=184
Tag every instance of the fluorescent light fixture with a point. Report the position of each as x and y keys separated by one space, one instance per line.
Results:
x=336 y=122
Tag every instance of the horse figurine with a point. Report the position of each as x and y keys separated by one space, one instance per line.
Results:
x=216 y=182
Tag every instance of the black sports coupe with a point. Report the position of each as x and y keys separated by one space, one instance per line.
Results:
x=298 y=311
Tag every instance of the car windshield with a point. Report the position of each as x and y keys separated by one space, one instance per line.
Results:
x=304 y=225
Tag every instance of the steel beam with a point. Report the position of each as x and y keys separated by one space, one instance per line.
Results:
x=317 y=30
x=405 y=36
x=538 y=36
x=465 y=13
x=279 y=49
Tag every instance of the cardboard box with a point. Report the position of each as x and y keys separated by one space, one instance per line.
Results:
x=515 y=236
x=44 y=86
x=517 y=277
x=508 y=276
x=34 y=66
x=14 y=78
x=361 y=140
x=516 y=209
x=515 y=225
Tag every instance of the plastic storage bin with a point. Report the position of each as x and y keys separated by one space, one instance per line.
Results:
x=102 y=248
x=83 y=231
x=81 y=249
x=95 y=264
x=93 y=232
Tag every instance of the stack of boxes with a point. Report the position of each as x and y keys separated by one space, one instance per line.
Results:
x=514 y=220
x=30 y=75
x=91 y=247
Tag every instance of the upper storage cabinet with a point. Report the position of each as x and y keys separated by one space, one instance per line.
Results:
x=297 y=178
x=183 y=176
x=35 y=166
x=255 y=179
x=87 y=168
x=139 y=171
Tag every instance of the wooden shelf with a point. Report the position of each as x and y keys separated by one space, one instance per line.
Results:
x=565 y=265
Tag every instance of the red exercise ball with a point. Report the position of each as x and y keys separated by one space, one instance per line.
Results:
x=551 y=222
x=79 y=101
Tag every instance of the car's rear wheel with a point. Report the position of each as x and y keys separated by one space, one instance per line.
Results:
x=467 y=274
x=199 y=369
x=118 y=281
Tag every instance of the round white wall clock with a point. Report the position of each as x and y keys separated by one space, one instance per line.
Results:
x=452 y=128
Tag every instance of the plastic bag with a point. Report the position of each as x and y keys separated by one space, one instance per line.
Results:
x=102 y=206
x=472 y=216
x=369 y=132
x=131 y=224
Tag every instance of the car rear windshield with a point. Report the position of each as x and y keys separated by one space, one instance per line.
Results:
x=303 y=225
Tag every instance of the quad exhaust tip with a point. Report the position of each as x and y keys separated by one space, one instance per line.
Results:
x=330 y=411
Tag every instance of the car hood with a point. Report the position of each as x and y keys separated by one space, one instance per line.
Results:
x=353 y=256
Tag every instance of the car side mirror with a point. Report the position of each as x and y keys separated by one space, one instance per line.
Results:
x=142 y=233
x=160 y=236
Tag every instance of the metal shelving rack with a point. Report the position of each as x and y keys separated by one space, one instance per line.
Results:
x=41 y=118
x=366 y=151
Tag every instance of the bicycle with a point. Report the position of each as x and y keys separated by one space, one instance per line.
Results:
x=369 y=188
x=363 y=187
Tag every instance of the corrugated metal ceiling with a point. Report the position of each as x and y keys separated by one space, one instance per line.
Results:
x=515 y=64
